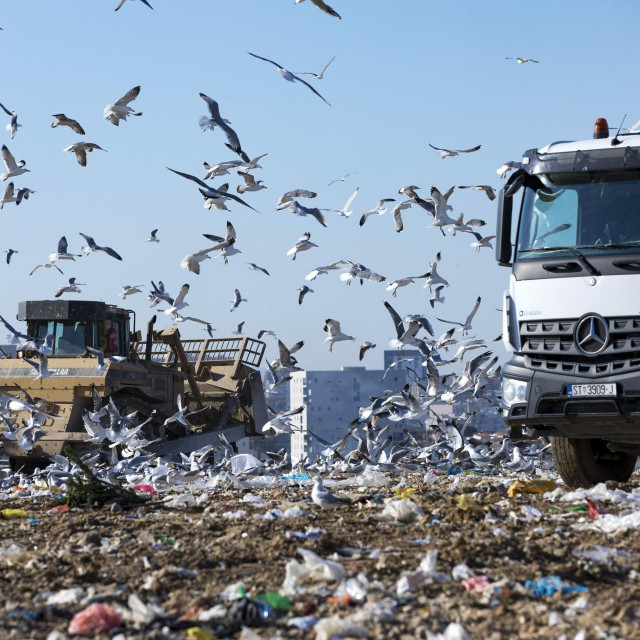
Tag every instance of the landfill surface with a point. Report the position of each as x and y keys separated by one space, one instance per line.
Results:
x=446 y=556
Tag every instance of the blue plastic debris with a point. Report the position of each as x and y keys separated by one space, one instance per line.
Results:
x=551 y=585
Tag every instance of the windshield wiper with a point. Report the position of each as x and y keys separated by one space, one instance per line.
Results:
x=612 y=245
x=578 y=254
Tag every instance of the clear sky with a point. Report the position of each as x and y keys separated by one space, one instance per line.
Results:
x=406 y=72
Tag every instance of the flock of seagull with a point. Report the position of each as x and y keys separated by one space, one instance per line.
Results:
x=426 y=383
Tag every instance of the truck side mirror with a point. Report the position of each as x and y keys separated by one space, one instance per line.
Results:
x=503 y=232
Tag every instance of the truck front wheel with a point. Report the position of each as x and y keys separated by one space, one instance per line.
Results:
x=584 y=462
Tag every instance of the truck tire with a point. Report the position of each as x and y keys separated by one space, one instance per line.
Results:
x=584 y=462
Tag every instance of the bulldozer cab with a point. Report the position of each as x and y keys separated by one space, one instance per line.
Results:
x=76 y=325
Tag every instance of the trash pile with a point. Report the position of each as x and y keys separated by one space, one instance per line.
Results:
x=191 y=549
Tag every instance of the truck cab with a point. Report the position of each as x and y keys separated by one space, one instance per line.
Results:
x=569 y=230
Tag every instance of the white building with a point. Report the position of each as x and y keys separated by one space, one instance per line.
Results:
x=332 y=400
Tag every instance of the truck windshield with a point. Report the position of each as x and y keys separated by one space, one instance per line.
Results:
x=68 y=337
x=592 y=213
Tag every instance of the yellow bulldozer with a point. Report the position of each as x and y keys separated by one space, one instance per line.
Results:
x=218 y=379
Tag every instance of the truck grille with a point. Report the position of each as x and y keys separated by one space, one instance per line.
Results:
x=550 y=345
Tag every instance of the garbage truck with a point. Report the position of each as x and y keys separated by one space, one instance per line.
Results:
x=218 y=379
x=568 y=227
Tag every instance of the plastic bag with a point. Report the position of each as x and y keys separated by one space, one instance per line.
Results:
x=66 y=596
x=14 y=514
x=95 y=618
x=454 y=631
x=313 y=568
x=328 y=628
x=401 y=511
x=245 y=463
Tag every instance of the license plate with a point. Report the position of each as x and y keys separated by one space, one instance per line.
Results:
x=575 y=390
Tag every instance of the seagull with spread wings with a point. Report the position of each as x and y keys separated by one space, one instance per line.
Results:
x=490 y=191
x=450 y=153
x=523 y=60
x=332 y=327
x=179 y=302
x=13 y=168
x=92 y=247
x=216 y=119
x=318 y=76
x=323 y=6
x=209 y=192
x=287 y=75
x=235 y=303
x=143 y=1
x=13 y=125
x=120 y=109
x=295 y=207
x=81 y=149
x=63 y=121
x=466 y=327
x=255 y=267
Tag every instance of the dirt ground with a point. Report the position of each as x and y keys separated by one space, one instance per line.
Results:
x=144 y=550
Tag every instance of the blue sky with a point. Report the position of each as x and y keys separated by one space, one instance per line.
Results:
x=406 y=73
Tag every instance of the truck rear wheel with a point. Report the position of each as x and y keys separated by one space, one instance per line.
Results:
x=584 y=462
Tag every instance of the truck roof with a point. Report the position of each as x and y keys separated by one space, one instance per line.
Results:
x=63 y=309
x=566 y=146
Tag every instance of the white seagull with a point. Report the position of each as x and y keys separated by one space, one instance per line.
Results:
x=450 y=153
x=237 y=299
x=287 y=75
x=522 y=60
x=302 y=244
x=466 y=327
x=120 y=110
x=379 y=210
x=13 y=168
x=153 y=237
x=129 y=290
x=332 y=327
x=179 y=302
x=12 y=127
x=481 y=242
x=490 y=191
x=63 y=121
x=318 y=76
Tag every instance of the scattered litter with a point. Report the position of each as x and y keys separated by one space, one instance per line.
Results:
x=333 y=627
x=94 y=619
x=405 y=511
x=530 y=486
x=552 y=584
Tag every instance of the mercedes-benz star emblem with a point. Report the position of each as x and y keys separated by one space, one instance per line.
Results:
x=592 y=335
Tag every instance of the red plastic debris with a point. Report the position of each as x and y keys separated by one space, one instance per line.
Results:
x=94 y=619
x=147 y=488
x=61 y=508
x=594 y=509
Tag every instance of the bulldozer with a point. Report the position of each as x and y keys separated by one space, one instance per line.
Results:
x=218 y=379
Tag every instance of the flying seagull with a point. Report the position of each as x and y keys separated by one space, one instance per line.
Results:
x=81 y=149
x=217 y=119
x=304 y=289
x=466 y=327
x=287 y=75
x=120 y=110
x=71 y=288
x=153 y=237
x=379 y=210
x=63 y=252
x=23 y=194
x=450 y=153
x=523 y=60
x=255 y=267
x=302 y=244
x=238 y=331
x=302 y=211
x=332 y=327
x=92 y=247
x=13 y=168
x=344 y=177
x=250 y=183
x=364 y=348
x=344 y=212
x=123 y=1
x=481 y=242
x=323 y=6
x=9 y=195
x=397 y=214
x=318 y=76
x=13 y=125
x=10 y=253
x=63 y=121
x=210 y=192
x=491 y=194
x=237 y=299
x=179 y=302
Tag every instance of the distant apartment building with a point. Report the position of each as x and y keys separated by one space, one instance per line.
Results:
x=332 y=400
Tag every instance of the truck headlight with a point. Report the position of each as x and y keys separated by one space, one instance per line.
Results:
x=513 y=391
